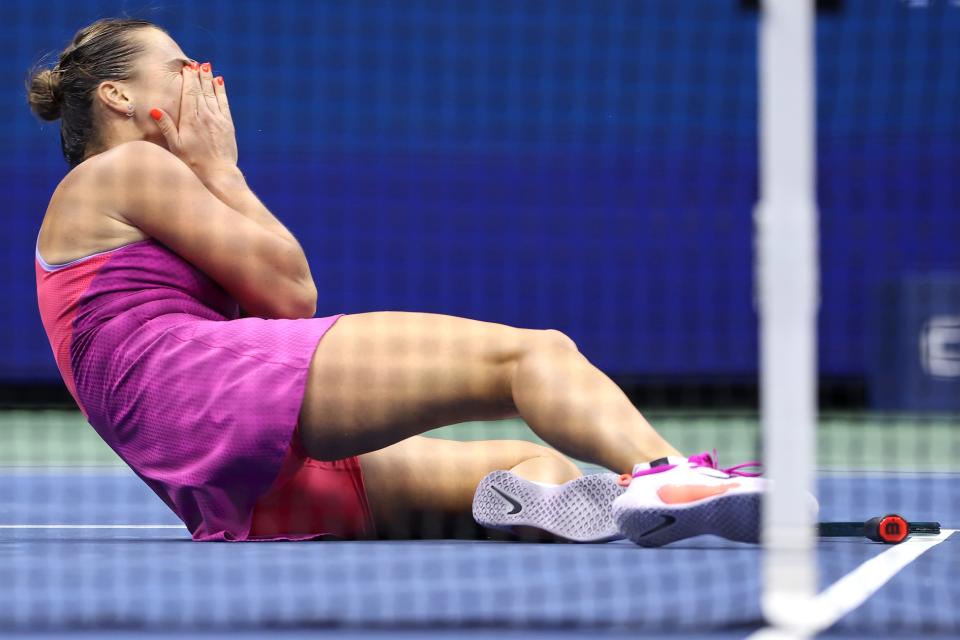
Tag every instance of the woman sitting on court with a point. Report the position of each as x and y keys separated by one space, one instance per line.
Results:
x=274 y=424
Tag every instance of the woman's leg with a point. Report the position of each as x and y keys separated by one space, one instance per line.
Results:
x=379 y=378
x=423 y=487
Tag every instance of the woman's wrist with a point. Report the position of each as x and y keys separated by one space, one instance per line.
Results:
x=224 y=182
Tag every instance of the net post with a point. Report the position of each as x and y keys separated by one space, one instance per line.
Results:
x=787 y=286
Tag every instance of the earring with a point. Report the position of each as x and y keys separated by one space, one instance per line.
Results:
x=129 y=110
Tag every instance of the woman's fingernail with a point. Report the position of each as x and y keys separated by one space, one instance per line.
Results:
x=156 y=114
x=205 y=67
x=220 y=80
x=194 y=65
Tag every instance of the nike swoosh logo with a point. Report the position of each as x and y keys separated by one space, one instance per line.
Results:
x=667 y=521
x=512 y=501
x=682 y=493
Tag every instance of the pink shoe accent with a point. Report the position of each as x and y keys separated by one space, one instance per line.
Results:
x=683 y=493
x=706 y=459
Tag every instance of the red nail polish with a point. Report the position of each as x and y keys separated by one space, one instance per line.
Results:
x=220 y=80
x=205 y=67
x=156 y=114
x=194 y=65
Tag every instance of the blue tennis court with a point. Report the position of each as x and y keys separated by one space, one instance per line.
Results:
x=92 y=547
x=152 y=578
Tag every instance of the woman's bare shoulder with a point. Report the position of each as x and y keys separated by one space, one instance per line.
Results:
x=82 y=217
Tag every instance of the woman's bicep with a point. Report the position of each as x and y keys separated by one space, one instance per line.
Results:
x=165 y=199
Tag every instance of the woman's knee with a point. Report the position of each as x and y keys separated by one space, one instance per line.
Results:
x=541 y=353
x=553 y=338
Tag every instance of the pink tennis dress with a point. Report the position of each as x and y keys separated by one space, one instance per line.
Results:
x=203 y=405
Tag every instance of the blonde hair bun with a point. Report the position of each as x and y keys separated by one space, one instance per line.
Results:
x=44 y=96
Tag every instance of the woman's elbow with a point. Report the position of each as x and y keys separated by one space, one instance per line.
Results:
x=302 y=303
x=309 y=302
x=295 y=302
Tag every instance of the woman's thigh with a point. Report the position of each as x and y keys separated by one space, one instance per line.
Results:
x=424 y=487
x=377 y=378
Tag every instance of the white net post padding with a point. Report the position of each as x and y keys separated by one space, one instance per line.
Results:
x=787 y=285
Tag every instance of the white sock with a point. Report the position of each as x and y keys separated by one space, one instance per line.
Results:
x=544 y=484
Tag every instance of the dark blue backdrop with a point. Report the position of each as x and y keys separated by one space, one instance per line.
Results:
x=586 y=166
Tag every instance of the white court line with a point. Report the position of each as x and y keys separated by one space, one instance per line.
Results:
x=883 y=474
x=92 y=526
x=65 y=470
x=852 y=590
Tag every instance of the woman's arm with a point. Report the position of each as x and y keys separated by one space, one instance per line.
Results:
x=230 y=186
x=216 y=222
x=265 y=271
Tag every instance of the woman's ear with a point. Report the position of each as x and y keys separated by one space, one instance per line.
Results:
x=114 y=96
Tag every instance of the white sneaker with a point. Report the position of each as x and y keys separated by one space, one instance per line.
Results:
x=578 y=510
x=675 y=498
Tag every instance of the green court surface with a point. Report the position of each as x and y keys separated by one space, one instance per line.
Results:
x=846 y=441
